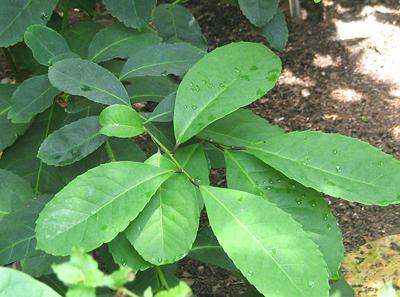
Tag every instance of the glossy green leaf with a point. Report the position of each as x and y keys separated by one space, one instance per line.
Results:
x=118 y=41
x=16 y=283
x=240 y=128
x=69 y=55
x=193 y=159
x=133 y=13
x=120 y=121
x=334 y=164
x=164 y=132
x=214 y=155
x=164 y=111
x=14 y=192
x=259 y=12
x=276 y=31
x=115 y=192
x=33 y=96
x=166 y=229
x=150 y=88
x=17 y=15
x=45 y=43
x=162 y=59
x=175 y=23
x=266 y=244
x=226 y=79
x=9 y=131
x=126 y=150
x=246 y=173
x=206 y=249
x=39 y=263
x=87 y=79
x=25 y=61
x=72 y=142
x=125 y=254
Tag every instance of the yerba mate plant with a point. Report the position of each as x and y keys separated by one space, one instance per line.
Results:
x=74 y=180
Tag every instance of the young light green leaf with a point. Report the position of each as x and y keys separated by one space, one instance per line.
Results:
x=14 y=192
x=72 y=142
x=118 y=41
x=150 y=88
x=175 y=23
x=330 y=163
x=164 y=111
x=87 y=79
x=259 y=12
x=166 y=229
x=240 y=128
x=162 y=59
x=120 y=121
x=133 y=13
x=271 y=249
x=182 y=290
x=81 y=291
x=246 y=173
x=226 y=79
x=115 y=192
x=45 y=43
x=124 y=254
x=17 y=15
x=33 y=96
x=9 y=131
x=276 y=31
x=16 y=283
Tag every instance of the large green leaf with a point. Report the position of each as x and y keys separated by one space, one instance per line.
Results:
x=341 y=289
x=150 y=88
x=45 y=43
x=259 y=12
x=133 y=13
x=246 y=173
x=14 y=192
x=25 y=61
x=337 y=165
x=9 y=131
x=17 y=15
x=175 y=23
x=276 y=31
x=166 y=229
x=115 y=192
x=162 y=59
x=87 y=79
x=118 y=41
x=226 y=79
x=15 y=283
x=266 y=244
x=33 y=96
x=72 y=142
x=240 y=128
x=164 y=111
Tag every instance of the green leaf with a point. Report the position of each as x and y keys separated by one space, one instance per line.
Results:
x=331 y=163
x=87 y=79
x=17 y=15
x=175 y=23
x=166 y=229
x=206 y=249
x=164 y=111
x=164 y=132
x=276 y=31
x=79 y=36
x=214 y=155
x=25 y=61
x=226 y=79
x=246 y=173
x=265 y=243
x=33 y=96
x=9 y=131
x=16 y=283
x=341 y=289
x=133 y=13
x=150 y=88
x=72 y=142
x=39 y=263
x=14 y=192
x=120 y=121
x=240 y=128
x=45 y=43
x=81 y=291
x=87 y=205
x=193 y=159
x=259 y=12
x=182 y=290
x=126 y=150
x=162 y=59
x=64 y=56
x=124 y=254
x=118 y=41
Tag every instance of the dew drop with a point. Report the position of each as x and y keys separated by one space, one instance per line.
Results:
x=380 y=163
x=123 y=261
x=272 y=75
x=334 y=151
x=139 y=228
x=249 y=273
x=245 y=77
x=313 y=204
x=44 y=16
x=325 y=217
x=222 y=85
x=195 y=88
x=186 y=107
x=299 y=201
x=237 y=70
x=194 y=107
x=116 y=125
x=260 y=93
x=311 y=284
x=338 y=169
x=159 y=260
x=329 y=227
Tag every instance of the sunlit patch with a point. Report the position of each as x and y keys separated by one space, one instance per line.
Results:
x=323 y=61
x=395 y=131
x=289 y=78
x=346 y=95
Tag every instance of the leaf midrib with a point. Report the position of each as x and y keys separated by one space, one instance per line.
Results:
x=16 y=17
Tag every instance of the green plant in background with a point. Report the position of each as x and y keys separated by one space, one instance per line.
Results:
x=71 y=176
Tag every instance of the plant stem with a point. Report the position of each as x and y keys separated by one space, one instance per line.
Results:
x=109 y=151
x=178 y=1
x=11 y=63
x=162 y=278
x=128 y=293
x=65 y=19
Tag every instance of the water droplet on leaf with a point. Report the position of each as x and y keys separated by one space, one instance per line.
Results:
x=311 y=284
x=86 y=88
x=334 y=152
x=249 y=273
x=338 y=169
